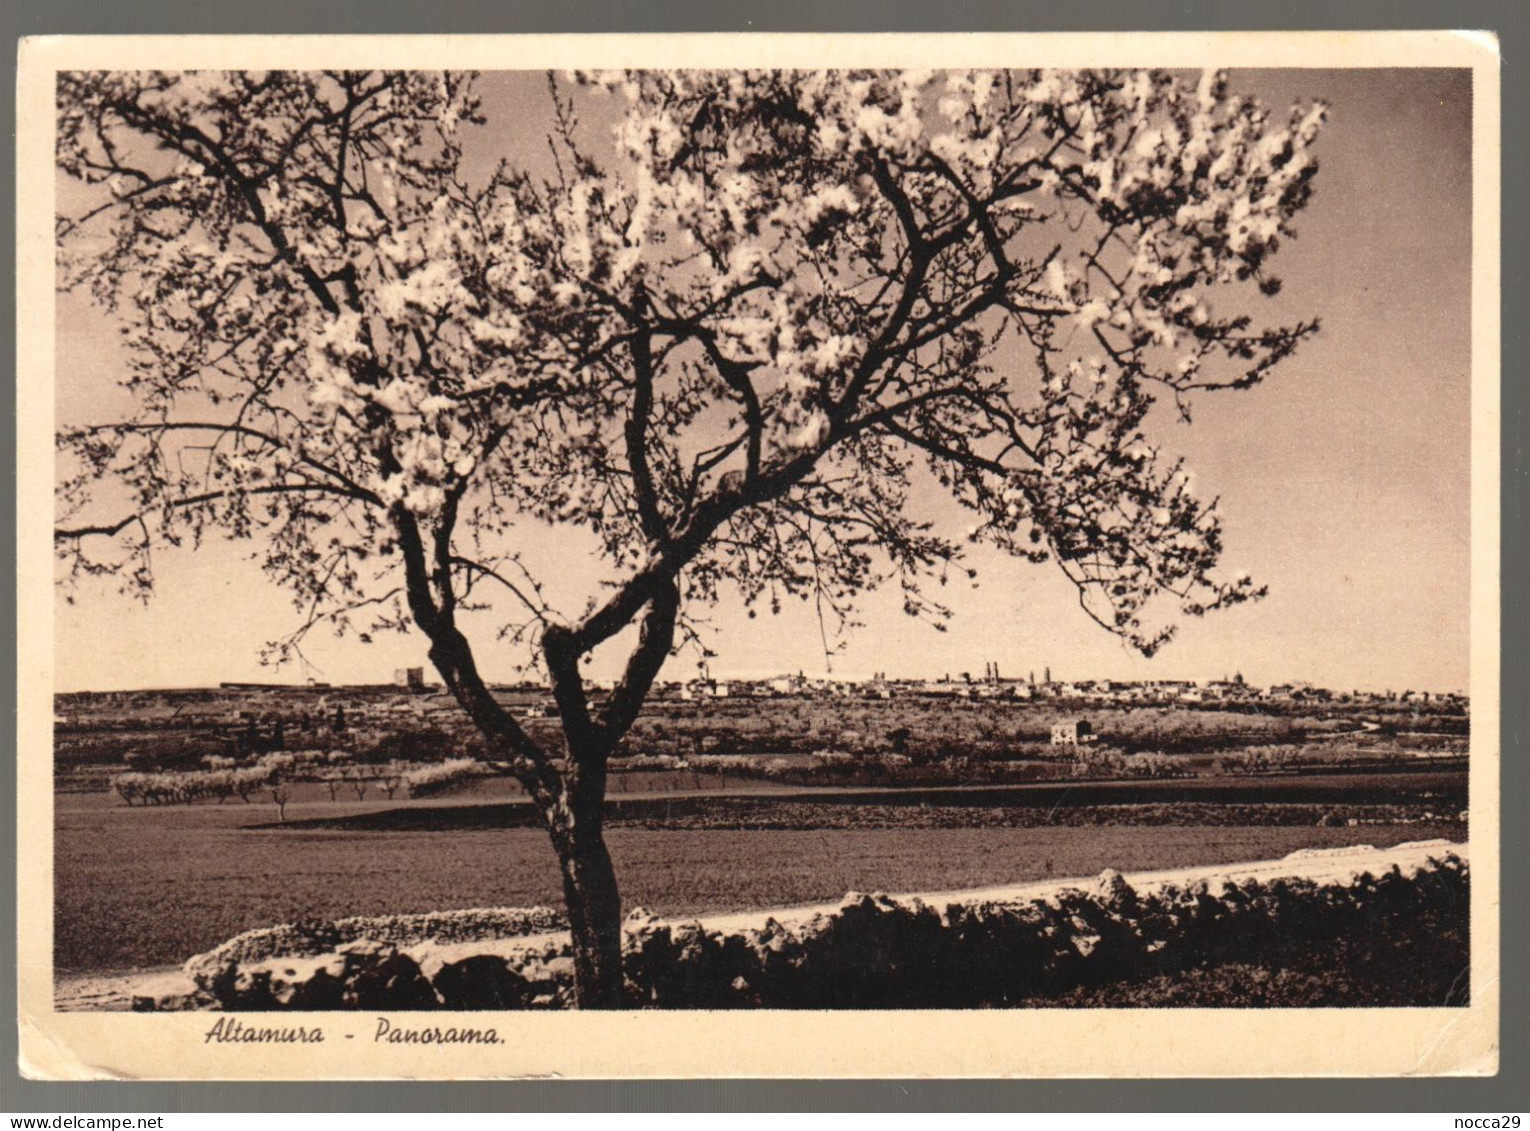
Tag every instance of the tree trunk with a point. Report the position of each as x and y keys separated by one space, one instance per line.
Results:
x=571 y=797
x=594 y=914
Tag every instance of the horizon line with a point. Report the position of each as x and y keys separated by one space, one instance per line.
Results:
x=975 y=681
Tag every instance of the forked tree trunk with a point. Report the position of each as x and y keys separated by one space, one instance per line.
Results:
x=571 y=798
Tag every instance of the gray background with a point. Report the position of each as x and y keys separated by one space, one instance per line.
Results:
x=1506 y=1093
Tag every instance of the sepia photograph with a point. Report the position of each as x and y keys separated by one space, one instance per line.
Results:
x=966 y=541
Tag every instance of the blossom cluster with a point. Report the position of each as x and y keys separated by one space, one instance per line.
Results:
x=187 y=787
x=439 y=776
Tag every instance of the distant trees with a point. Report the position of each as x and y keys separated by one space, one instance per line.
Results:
x=187 y=787
x=442 y=776
x=723 y=346
x=411 y=744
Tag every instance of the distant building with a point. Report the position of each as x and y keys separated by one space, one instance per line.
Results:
x=412 y=678
x=1072 y=733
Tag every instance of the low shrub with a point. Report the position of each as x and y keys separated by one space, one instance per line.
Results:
x=879 y=953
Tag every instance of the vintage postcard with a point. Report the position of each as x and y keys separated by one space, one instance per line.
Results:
x=732 y=556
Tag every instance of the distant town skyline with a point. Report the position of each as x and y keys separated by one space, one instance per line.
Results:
x=1344 y=481
x=273 y=682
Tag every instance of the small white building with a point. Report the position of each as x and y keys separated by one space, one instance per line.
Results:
x=1073 y=733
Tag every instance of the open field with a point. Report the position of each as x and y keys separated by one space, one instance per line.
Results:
x=139 y=887
x=1305 y=799
x=149 y=886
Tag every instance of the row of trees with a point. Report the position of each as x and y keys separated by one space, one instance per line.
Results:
x=725 y=345
x=277 y=774
x=364 y=746
x=186 y=788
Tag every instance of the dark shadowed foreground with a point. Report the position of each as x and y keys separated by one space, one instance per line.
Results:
x=1351 y=926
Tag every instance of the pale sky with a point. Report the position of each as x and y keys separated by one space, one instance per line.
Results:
x=1344 y=478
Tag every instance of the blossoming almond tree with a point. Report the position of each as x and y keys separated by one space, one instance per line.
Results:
x=724 y=338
